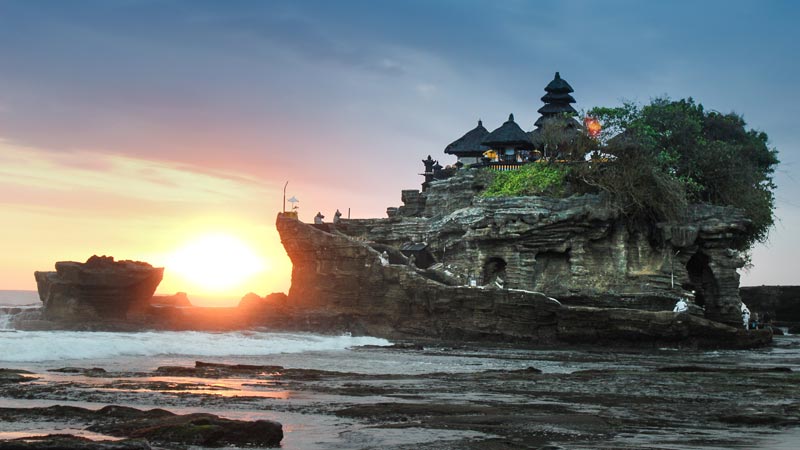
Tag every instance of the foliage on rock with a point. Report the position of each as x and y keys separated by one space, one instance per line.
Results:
x=654 y=160
x=635 y=184
x=689 y=155
x=531 y=179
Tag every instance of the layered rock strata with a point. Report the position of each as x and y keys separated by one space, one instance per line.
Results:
x=577 y=249
x=342 y=281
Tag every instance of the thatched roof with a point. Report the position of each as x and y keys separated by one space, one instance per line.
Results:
x=508 y=135
x=470 y=143
x=559 y=86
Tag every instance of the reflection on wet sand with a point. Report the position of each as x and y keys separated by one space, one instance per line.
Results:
x=472 y=397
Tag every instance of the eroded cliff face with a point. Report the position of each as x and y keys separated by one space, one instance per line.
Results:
x=343 y=280
x=577 y=249
x=341 y=283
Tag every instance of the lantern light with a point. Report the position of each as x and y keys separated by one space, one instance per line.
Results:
x=593 y=127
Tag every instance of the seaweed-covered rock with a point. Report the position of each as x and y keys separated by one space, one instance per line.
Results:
x=70 y=442
x=199 y=429
x=15 y=376
x=157 y=426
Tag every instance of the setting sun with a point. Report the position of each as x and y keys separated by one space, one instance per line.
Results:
x=215 y=262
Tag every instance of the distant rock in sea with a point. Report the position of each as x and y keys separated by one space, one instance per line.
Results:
x=99 y=289
x=179 y=299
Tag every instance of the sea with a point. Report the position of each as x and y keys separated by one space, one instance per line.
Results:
x=42 y=351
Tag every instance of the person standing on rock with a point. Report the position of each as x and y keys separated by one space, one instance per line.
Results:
x=318 y=218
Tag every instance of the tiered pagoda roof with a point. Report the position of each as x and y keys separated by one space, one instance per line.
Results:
x=557 y=107
x=557 y=101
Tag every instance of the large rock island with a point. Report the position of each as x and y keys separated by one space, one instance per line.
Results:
x=452 y=264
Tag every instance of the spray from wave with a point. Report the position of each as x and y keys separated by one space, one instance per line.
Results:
x=37 y=346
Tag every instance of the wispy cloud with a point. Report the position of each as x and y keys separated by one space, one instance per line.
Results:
x=74 y=181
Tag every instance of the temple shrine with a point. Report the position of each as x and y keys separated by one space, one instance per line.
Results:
x=509 y=146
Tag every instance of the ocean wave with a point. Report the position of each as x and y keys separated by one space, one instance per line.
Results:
x=38 y=346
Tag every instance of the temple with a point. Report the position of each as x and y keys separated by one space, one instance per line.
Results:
x=509 y=146
x=454 y=263
x=557 y=117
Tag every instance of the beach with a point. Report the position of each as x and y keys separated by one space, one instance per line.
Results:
x=359 y=392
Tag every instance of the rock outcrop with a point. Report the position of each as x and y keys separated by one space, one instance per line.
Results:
x=342 y=282
x=781 y=303
x=99 y=289
x=142 y=427
x=578 y=249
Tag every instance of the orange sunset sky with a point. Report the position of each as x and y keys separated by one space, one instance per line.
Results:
x=165 y=131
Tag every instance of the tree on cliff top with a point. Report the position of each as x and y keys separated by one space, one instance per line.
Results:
x=688 y=153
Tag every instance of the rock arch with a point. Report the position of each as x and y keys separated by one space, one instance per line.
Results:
x=703 y=282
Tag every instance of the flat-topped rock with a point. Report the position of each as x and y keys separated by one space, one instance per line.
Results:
x=99 y=289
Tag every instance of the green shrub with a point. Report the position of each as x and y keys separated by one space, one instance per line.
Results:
x=530 y=179
x=703 y=156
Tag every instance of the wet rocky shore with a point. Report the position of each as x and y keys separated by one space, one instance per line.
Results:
x=567 y=398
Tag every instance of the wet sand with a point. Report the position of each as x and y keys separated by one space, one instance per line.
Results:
x=472 y=397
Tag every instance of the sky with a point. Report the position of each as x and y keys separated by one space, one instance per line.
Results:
x=134 y=128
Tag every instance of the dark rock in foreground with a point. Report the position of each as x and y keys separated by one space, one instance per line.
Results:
x=157 y=426
x=15 y=376
x=98 y=289
x=70 y=442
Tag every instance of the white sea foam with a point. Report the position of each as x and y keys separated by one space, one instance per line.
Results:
x=5 y=321
x=19 y=298
x=36 y=346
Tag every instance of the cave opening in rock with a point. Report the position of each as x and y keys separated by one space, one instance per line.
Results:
x=701 y=279
x=493 y=269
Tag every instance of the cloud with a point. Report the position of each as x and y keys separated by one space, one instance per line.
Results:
x=92 y=182
x=426 y=90
x=308 y=39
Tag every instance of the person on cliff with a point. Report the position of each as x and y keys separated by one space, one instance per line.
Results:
x=318 y=218
x=754 y=325
x=337 y=216
x=745 y=316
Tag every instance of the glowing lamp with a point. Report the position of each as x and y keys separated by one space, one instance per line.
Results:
x=593 y=127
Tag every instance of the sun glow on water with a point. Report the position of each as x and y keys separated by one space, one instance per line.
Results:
x=215 y=263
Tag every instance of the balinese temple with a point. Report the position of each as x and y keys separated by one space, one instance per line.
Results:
x=557 y=111
x=469 y=148
x=508 y=144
